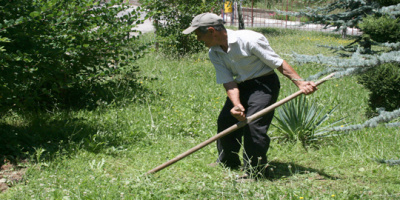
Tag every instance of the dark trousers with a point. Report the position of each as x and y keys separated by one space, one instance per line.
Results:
x=255 y=95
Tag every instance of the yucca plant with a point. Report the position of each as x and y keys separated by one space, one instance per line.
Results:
x=301 y=120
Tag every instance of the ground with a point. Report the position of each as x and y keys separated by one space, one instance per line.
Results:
x=10 y=174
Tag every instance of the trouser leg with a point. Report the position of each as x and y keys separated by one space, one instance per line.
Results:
x=255 y=139
x=228 y=146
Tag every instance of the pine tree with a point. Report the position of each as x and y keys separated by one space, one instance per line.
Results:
x=380 y=23
x=378 y=71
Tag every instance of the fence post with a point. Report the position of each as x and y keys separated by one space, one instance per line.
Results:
x=252 y=15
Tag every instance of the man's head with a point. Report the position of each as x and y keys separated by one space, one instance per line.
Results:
x=209 y=29
x=204 y=20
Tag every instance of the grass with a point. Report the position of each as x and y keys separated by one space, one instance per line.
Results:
x=104 y=153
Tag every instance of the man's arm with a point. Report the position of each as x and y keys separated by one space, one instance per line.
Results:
x=233 y=93
x=307 y=87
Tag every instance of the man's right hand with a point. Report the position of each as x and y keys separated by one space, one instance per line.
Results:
x=238 y=112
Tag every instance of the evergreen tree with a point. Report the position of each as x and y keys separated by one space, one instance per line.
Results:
x=378 y=71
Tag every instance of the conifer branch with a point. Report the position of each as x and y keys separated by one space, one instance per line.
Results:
x=390 y=162
x=383 y=117
x=390 y=10
x=343 y=67
x=393 y=46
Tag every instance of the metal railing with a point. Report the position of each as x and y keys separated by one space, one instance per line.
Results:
x=262 y=17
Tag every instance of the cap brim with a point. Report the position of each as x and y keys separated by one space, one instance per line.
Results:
x=189 y=30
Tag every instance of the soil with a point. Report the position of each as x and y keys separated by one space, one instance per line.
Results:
x=10 y=174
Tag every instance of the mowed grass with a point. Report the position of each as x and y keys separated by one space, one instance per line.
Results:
x=109 y=150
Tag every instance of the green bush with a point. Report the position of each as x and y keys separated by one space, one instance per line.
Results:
x=381 y=29
x=54 y=52
x=383 y=82
x=173 y=16
x=387 y=2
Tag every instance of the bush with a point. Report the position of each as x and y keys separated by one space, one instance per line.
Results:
x=387 y=2
x=383 y=82
x=173 y=16
x=381 y=29
x=52 y=49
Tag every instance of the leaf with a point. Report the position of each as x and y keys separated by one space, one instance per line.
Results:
x=34 y=14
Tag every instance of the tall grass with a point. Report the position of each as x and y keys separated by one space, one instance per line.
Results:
x=104 y=153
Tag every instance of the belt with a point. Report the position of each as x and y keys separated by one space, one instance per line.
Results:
x=255 y=81
x=269 y=73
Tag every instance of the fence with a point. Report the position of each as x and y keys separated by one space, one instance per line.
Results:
x=258 y=15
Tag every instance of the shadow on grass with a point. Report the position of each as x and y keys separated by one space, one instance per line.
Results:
x=40 y=136
x=41 y=139
x=282 y=170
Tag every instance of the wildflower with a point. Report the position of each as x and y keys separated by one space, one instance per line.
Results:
x=301 y=197
x=333 y=195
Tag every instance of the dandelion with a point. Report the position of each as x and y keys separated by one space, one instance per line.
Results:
x=301 y=198
x=333 y=195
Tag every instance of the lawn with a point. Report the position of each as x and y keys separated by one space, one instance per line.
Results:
x=105 y=153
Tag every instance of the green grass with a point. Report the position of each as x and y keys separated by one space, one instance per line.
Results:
x=104 y=153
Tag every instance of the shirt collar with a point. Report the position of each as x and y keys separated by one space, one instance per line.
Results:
x=232 y=38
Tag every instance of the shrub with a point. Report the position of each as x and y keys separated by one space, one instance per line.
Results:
x=383 y=82
x=173 y=16
x=387 y=2
x=381 y=29
x=52 y=49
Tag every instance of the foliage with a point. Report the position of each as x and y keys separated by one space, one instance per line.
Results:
x=368 y=52
x=340 y=14
x=383 y=117
x=54 y=53
x=381 y=29
x=383 y=82
x=387 y=2
x=171 y=17
x=109 y=149
x=301 y=120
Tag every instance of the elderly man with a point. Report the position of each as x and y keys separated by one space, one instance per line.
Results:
x=244 y=64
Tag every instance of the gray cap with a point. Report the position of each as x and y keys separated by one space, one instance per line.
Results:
x=204 y=19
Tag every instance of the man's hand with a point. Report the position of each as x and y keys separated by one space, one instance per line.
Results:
x=307 y=87
x=238 y=112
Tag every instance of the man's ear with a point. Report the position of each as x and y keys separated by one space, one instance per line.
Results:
x=211 y=29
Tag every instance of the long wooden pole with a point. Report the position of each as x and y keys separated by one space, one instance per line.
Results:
x=233 y=128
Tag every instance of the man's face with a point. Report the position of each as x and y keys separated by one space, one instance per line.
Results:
x=207 y=38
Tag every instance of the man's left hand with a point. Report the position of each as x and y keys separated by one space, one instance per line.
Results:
x=307 y=87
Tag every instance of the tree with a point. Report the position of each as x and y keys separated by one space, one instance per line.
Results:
x=57 y=51
x=380 y=24
x=171 y=17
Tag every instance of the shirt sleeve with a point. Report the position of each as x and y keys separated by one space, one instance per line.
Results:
x=267 y=55
x=223 y=74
